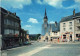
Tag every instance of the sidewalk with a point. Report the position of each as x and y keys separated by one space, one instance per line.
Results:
x=68 y=43
x=76 y=42
x=3 y=53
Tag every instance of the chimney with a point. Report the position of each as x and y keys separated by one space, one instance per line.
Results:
x=74 y=12
x=14 y=13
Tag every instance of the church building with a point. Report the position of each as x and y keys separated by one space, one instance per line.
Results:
x=50 y=30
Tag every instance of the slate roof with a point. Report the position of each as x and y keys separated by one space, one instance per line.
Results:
x=68 y=18
x=55 y=28
x=51 y=26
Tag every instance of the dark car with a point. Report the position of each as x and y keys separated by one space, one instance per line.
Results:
x=26 y=43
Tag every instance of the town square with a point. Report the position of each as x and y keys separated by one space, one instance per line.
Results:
x=39 y=27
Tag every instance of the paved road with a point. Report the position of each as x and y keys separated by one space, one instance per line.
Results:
x=46 y=49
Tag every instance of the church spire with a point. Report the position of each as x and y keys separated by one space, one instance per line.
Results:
x=45 y=16
x=45 y=12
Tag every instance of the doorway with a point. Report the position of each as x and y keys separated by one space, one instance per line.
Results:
x=70 y=37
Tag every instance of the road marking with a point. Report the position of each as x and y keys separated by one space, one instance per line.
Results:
x=34 y=51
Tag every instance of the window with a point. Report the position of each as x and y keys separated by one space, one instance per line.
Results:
x=78 y=20
x=70 y=23
x=64 y=29
x=16 y=32
x=78 y=28
x=55 y=33
x=6 y=31
x=70 y=28
x=64 y=36
x=11 y=31
x=64 y=24
x=12 y=23
x=77 y=35
x=16 y=24
x=5 y=21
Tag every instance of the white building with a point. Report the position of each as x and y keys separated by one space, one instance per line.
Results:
x=70 y=27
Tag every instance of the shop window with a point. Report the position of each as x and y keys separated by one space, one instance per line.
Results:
x=55 y=33
x=77 y=35
x=64 y=36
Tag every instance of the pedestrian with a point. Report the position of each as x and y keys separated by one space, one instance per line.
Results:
x=51 y=39
x=58 y=39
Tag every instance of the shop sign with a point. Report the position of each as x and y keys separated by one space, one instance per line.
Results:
x=71 y=32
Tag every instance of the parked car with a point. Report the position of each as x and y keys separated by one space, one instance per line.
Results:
x=26 y=43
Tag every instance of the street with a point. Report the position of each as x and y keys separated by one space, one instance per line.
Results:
x=45 y=49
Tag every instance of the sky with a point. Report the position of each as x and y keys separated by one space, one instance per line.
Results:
x=31 y=12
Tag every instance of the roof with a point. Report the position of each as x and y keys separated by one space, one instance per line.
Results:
x=9 y=13
x=68 y=18
x=55 y=28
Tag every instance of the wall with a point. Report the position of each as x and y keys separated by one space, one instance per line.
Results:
x=67 y=26
x=76 y=24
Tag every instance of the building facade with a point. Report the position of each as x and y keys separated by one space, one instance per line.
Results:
x=9 y=28
x=70 y=27
x=23 y=36
x=50 y=30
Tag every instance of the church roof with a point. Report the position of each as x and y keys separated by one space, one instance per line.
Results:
x=54 y=27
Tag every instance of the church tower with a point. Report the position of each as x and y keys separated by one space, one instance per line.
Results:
x=45 y=20
x=45 y=24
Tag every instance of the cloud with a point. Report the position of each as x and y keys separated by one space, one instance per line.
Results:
x=15 y=3
x=54 y=3
x=58 y=3
x=28 y=26
x=39 y=1
x=76 y=5
x=21 y=21
x=51 y=22
x=32 y=20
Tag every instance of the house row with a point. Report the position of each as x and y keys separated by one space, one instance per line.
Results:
x=68 y=29
x=10 y=29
